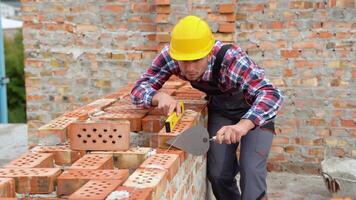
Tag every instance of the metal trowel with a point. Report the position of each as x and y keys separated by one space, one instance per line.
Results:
x=194 y=140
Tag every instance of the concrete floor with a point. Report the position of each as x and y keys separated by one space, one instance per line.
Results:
x=289 y=186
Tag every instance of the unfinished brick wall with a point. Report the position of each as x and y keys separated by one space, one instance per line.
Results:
x=94 y=157
x=77 y=51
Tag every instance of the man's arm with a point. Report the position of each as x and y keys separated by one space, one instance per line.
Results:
x=152 y=80
x=243 y=72
x=251 y=78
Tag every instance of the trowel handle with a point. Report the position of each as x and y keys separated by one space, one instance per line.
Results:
x=213 y=138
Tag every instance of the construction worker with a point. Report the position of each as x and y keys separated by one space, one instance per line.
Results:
x=242 y=104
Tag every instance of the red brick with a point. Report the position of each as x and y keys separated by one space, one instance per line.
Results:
x=94 y=161
x=280 y=140
x=163 y=136
x=300 y=4
x=251 y=7
x=153 y=123
x=96 y=190
x=32 y=180
x=99 y=135
x=162 y=2
x=163 y=37
x=56 y=128
x=134 y=118
x=114 y=8
x=62 y=155
x=226 y=8
x=162 y=18
x=71 y=180
x=182 y=154
x=155 y=179
x=163 y=9
x=169 y=162
x=141 y=7
x=7 y=187
x=307 y=45
x=32 y=160
x=290 y=53
x=348 y=123
x=190 y=116
x=173 y=84
x=226 y=27
x=136 y=193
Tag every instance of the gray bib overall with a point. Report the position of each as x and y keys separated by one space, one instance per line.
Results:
x=227 y=108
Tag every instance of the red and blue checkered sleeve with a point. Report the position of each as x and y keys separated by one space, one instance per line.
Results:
x=244 y=73
x=152 y=80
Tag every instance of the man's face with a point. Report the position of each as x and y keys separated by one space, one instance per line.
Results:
x=193 y=69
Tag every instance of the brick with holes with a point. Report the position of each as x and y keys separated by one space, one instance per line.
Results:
x=94 y=161
x=190 y=116
x=71 y=180
x=32 y=180
x=163 y=136
x=32 y=160
x=100 y=135
x=156 y=179
x=133 y=116
x=130 y=159
x=7 y=187
x=95 y=190
x=136 y=193
x=55 y=131
x=153 y=123
x=182 y=154
x=62 y=154
x=169 y=162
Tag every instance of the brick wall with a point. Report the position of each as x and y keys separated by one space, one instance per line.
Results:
x=77 y=51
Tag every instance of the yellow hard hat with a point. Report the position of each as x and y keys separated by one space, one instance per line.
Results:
x=191 y=39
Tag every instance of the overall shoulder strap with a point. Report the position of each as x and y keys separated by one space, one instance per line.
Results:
x=217 y=65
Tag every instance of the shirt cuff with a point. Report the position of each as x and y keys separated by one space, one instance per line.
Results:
x=254 y=117
x=149 y=97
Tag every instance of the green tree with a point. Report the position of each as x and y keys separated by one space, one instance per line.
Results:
x=15 y=71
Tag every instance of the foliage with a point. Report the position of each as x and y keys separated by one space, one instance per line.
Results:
x=15 y=71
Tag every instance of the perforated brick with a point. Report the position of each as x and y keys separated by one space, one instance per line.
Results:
x=130 y=159
x=126 y=108
x=56 y=129
x=94 y=161
x=189 y=94
x=32 y=180
x=134 y=118
x=62 y=155
x=100 y=135
x=101 y=104
x=182 y=154
x=32 y=160
x=7 y=187
x=153 y=123
x=95 y=190
x=135 y=193
x=156 y=179
x=169 y=162
x=71 y=180
x=190 y=116
x=163 y=136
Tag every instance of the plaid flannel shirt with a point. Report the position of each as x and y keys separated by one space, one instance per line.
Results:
x=237 y=71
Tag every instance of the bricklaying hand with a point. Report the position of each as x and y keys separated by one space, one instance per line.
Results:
x=233 y=133
x=166 y=102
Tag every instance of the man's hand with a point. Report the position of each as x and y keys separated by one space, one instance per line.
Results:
x=166 y=102
x=233 y=133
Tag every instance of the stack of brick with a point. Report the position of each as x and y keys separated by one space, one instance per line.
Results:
x=92 y=156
